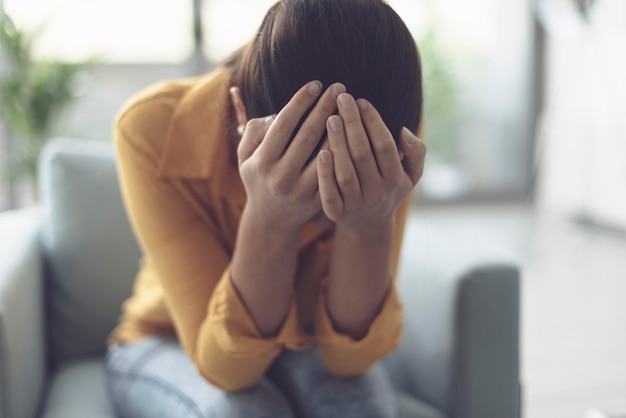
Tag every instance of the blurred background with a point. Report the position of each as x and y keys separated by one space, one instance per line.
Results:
x=525 y=105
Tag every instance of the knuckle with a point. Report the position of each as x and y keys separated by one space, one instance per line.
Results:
x=306 y=139
x=279 y=186
x=334 y=212
x=331 y=201
x=281 y=126
x=262 y=163
x=360 y=156
x=346 y=178
x=385 y=146
x=249 y=170
x=245 y=169
x=253 y=125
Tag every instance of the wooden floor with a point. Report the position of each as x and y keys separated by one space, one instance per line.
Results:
x=573 y=306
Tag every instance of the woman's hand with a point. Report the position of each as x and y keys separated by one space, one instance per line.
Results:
x=281 y=185
x=361 y=178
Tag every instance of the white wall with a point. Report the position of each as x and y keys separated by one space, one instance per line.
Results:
x=581 y=149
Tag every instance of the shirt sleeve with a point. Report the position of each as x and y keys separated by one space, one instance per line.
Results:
x=341 y=353
x=192 y=264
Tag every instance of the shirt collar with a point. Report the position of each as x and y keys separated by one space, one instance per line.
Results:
x=197 y=138
x=197 y=144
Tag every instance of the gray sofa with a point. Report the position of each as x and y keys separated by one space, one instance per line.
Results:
x=66 y=266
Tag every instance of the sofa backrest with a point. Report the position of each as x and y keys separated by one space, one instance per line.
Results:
x=91 y=254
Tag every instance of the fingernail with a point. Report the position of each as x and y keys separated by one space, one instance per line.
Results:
x=268 y=120
x=362 y=103
x=335 y=123
x=408 y=136
x=345 y=100
x=325 y=156
x=233 y=89
x=337 y=90
x=315 y=88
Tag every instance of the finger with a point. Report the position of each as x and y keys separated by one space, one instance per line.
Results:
x=288 y=118
x=358 y=143
x=308 y=137
x=415 y=154
x=382 y=142
x=256 y=130
x=308 y=179
x=331 y=199
x=345 y=173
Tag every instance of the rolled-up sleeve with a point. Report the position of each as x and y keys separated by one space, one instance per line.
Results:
x=341 y=353
x=233 y=355
x=188 y=255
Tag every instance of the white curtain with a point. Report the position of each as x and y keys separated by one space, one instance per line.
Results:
x=581 y=152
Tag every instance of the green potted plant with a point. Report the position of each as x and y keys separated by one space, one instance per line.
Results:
x=33 y=95
x=440 y=96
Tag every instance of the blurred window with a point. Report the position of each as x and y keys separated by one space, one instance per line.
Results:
x=476 y=56
x=116 y=31
x=477 y=70
x=229 y=24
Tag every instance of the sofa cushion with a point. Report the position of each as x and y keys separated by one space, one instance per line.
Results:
x=410 y=407
x=90 y=252
x=78 y=390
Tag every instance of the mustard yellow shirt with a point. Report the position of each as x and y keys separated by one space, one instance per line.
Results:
x=184 y=198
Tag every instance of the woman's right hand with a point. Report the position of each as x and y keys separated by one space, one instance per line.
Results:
x=279 y=176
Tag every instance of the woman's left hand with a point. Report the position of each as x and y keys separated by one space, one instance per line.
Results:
x=361 y=178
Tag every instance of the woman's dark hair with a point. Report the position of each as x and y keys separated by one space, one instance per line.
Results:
x=361 y=43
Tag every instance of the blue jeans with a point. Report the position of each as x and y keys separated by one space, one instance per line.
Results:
x=154 y=378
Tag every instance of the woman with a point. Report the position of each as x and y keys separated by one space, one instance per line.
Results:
x=269 y=205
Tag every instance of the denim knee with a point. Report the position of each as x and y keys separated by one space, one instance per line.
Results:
x=370 y=395
x=263 y=401
x=154 y=378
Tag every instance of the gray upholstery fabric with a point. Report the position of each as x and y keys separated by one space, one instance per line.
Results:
x=77 y=390
x=22 y=344
x=486 y=379
x=410 y=407
x=460 y=343
x=459 y=356
x=91 y=254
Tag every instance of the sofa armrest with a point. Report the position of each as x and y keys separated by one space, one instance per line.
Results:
x=486 y=377
x=22 y=339
x=460 y=343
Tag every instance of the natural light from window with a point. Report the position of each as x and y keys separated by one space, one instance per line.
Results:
x=475 y=56
x=120 y=31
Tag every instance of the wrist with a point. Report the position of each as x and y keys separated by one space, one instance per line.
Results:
x=381 y=229
x=267 y=225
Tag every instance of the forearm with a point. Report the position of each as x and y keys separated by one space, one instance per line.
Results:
x=263 y=269
x=360 y=275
